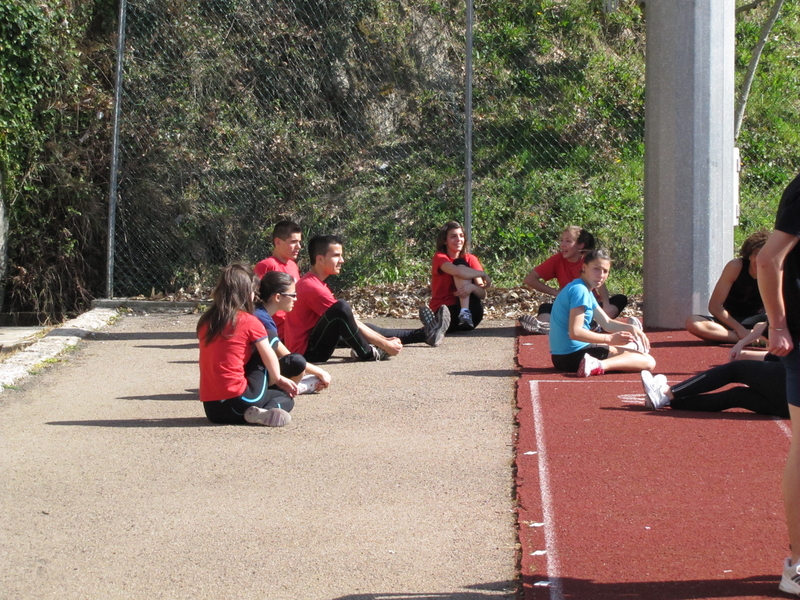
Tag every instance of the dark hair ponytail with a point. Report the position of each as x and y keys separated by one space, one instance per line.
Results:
x=596 y=254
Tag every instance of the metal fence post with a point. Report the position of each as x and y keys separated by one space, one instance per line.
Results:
x=112 y=183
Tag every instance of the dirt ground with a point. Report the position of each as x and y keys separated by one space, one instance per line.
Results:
x=394 y=483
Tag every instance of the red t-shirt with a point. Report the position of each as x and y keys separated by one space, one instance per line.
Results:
x=559 y=268
x=443 y=288
x=313 y=299
x=273 y=264
x=222 y=361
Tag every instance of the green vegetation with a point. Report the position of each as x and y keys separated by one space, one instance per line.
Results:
x=346 y=116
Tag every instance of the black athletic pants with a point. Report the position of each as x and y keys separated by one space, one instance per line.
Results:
x=338 y=324
x=765 y=393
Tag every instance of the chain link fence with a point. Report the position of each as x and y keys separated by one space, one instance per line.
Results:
x=348 y=117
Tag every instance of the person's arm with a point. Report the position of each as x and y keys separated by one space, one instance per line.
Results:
x=281 y=350
x=751 y=337
x=605 y=299
x=770 y=283
x=533 y=280
x=627 y=330
x=471 y=288
x=579 y=333
x=391 y=345
x=720 y=294
x=465 y=272
x=323 y=376
x=270 y=360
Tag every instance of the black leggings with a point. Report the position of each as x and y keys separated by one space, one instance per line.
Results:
x=338 y=324
x=475 y=307
x=765 y=393
x=231 y=411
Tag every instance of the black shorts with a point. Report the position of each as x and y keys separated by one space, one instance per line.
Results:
x=569 y=363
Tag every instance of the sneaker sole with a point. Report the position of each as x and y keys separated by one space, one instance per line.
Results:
x=788 y=586
x=647 y=378
x=272 y=417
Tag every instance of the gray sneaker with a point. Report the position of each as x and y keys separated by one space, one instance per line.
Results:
x=654 y=396
x=531 y=324
x=435 y=325
x=270 y=417
x=465 y=321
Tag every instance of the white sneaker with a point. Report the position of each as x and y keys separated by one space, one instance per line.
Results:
x=635 y=322
x=590 y=366
x=271 y=417
x=655 y=397
x=790 y=579
x=307 y=385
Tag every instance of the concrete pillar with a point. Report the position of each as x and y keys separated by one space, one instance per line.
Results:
x=690 y=170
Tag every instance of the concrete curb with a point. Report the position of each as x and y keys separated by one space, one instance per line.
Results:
x=17 y=367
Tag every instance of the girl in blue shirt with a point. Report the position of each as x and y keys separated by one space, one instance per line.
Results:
x=574 y=347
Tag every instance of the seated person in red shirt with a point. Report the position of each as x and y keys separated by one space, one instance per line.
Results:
x=287 y=240
x=458 y=281
x=319 y=321
x=565 y=267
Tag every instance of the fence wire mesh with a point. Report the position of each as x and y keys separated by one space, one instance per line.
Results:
x=348 y=117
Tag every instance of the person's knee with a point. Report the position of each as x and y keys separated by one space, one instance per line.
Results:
x=650 y=362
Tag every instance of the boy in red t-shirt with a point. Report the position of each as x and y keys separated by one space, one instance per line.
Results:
x=287 y=239
x=319 y=321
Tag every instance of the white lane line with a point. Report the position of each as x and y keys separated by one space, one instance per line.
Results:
x=553 y=568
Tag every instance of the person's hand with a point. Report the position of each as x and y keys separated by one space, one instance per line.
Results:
x=620 y=338
x=487 y=281
x=780 y=342
x=735 y=351
x=465 y=290
x=324 y=380
x=393 y=346
x=288 y=386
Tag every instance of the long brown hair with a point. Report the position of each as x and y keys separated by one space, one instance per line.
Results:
x=441 y=237
x=234 y=292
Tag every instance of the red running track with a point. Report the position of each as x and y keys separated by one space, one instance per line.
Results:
x=619 y=502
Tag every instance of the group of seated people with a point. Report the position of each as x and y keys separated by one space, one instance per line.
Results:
x=268 y=329
x=585 y=337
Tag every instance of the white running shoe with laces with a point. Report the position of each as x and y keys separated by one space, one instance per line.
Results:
x=654 y=395
x=790 y=579
x=590 y=366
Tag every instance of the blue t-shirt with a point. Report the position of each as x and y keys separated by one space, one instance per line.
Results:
x=575 y=294
x=266 y=320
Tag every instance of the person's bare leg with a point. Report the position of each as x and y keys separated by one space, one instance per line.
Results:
x=710 y=330
x=628 y=360
x=460 y=283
